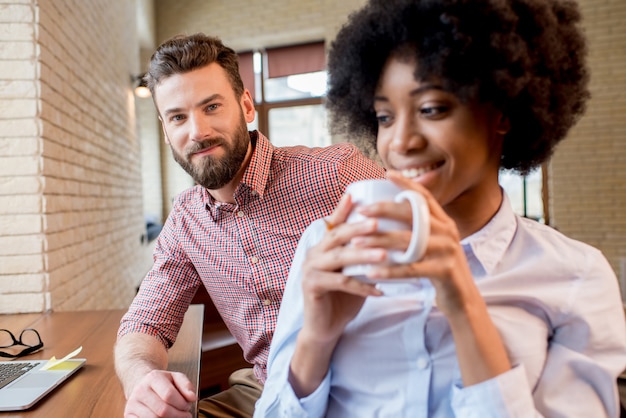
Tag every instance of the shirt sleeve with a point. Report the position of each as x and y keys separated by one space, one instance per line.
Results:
x=585 y=355
x=588 y=348
x=357 y=166
x=495 y=398
x=165 y=293
x=278 y=398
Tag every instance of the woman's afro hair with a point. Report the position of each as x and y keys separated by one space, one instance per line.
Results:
x=526 y=57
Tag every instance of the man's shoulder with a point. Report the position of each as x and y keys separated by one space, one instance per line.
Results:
x=192 y=196
x=331 y=154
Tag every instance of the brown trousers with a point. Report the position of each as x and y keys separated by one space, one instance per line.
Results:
x=235 y=402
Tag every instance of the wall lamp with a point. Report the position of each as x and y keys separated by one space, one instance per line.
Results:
x=141 y=89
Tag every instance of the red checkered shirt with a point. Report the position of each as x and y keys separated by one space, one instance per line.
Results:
x=242 y=252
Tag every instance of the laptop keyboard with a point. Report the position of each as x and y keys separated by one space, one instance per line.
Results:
x=11 y=371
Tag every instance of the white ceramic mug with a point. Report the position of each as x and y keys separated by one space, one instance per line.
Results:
x=365 y=192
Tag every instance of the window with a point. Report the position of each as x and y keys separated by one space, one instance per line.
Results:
x=526 y=193
x=288 y=84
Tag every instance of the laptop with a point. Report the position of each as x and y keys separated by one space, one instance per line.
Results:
x=31 y=383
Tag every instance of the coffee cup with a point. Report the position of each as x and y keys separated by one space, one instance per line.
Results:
x=366 y=192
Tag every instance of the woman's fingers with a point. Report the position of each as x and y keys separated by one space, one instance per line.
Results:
x=341 y=212
x=326 y=282
x=333 y=259
x=443 y=258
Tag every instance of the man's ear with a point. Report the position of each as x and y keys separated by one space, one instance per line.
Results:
x=247 y=106
x=166 y=138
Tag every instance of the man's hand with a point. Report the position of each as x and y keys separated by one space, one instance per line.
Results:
x=150 y=390
x=161 y=394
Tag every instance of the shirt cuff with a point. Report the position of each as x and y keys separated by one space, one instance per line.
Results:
x=317 y=402
x=313 y=405
x=502 y=396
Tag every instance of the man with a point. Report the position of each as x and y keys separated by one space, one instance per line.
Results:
x=235 y=232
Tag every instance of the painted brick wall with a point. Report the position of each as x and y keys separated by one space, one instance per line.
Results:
x=70 y=174
x=21 y=221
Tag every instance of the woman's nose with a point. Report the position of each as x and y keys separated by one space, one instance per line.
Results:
x=407 y=136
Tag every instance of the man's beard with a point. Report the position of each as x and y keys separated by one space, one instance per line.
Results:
x=209 y=171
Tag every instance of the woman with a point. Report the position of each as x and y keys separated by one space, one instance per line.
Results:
x=510 y=316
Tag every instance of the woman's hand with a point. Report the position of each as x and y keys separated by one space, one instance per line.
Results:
x=480 y=350
x=444 y=261
x=331 y=300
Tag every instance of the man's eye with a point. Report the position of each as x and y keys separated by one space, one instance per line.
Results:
x=177 y=118
x=212 y=107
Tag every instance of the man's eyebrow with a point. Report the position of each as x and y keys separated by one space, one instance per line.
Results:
x=201 y=103
x=172 y=111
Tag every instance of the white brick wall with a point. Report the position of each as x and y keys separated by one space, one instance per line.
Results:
x=70 y=165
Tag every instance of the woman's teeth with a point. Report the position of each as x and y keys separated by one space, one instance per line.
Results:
x=415 y=172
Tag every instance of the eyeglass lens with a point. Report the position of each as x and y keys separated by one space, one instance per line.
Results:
x=12 y=346
x=27 y=337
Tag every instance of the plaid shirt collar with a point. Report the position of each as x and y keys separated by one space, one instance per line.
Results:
x=255 y=178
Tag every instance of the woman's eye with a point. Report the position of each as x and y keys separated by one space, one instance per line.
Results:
x=177 y=118
x=383 y=119
x=432 y=111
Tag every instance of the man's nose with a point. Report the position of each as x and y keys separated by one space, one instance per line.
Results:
x=200 y=128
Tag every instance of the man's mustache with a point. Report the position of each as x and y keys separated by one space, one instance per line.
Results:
x=200 y=146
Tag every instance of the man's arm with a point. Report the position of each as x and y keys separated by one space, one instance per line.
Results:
x=136 y=355
x=150 y=390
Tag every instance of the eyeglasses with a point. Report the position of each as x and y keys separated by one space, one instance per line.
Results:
x=28 y=338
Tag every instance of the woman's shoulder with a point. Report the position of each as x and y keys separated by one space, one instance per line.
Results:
x=567 y=252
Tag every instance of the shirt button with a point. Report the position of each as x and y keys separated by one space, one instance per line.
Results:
x=267 y=302
x=240 y=214
x=254 y=260
x=422 y=363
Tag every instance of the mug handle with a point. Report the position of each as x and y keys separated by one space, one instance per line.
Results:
x=420 y=231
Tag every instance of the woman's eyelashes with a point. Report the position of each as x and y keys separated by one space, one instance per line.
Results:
x=434 y=110
x=430 y=111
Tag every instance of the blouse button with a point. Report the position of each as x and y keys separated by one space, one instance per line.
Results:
x=422 y=363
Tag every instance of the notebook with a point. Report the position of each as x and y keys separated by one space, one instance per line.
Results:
x=31 y=383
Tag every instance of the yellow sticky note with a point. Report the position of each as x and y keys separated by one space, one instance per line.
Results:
x=58 y=364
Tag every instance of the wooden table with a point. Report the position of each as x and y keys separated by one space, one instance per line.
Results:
x=94 y=391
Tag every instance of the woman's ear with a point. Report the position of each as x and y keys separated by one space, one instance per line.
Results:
x=503 y=125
